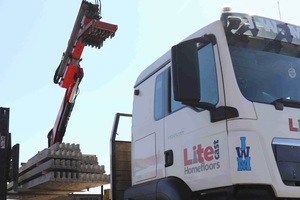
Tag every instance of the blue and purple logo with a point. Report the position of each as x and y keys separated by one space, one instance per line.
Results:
x=243 y=153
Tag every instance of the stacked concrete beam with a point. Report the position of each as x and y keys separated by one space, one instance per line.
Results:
x=57 y=171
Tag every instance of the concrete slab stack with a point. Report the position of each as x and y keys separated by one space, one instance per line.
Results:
x=59 y=170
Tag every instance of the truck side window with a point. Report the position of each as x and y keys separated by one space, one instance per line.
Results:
x=160 y=95
x=208 y=74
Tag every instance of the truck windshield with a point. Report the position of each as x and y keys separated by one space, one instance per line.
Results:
x=265 y=56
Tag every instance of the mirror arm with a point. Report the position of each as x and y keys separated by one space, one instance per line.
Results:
x=204 y=105
x=222 y=113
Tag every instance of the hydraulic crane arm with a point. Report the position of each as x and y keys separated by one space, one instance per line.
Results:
x=88 y=30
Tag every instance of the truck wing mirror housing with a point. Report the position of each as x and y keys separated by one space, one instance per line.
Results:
x=185 y=72
x=185 y=69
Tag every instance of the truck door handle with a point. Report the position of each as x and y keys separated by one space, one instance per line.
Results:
x=169 y=158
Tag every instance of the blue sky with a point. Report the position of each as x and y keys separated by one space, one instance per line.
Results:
x=35 y=34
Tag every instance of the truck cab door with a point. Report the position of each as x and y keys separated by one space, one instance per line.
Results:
x=196 y=147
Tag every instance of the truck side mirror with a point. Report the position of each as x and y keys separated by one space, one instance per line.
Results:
x=185 y=72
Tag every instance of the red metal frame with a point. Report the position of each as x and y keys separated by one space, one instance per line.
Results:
x=71 y=79
x=86 y=32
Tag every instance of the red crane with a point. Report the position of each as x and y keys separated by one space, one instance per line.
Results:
x=88 y=30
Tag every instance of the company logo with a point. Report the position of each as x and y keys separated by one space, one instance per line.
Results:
x=202 y=158
x=292 y=127
x=243 y=159
x=276 y=27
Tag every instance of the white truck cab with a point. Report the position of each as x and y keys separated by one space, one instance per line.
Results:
x=219 y=114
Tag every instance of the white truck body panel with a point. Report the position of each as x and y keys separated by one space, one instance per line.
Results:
x=210 y=155
x=148 y=158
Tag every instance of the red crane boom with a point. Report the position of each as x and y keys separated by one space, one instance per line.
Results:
x=88 y=30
